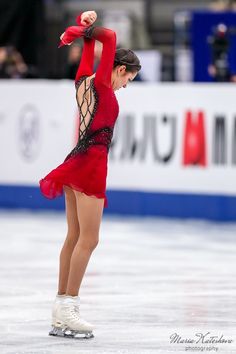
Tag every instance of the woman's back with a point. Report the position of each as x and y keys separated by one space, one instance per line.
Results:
x=87 y=103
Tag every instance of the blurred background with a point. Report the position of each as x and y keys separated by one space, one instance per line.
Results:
x=166 y=265
x=174 y=148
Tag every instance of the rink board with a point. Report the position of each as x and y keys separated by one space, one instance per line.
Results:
x=173 y=151
x=212 y=207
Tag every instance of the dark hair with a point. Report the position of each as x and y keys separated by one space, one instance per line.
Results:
x=128 y=58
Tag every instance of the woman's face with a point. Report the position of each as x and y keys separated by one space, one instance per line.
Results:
x=121 y=77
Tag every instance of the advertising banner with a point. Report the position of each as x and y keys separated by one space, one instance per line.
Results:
x=169 y=140
x=175 y=138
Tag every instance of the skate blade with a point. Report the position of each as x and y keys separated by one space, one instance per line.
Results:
x=68 y=333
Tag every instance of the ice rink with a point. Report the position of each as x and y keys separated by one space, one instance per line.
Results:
x=151 y=285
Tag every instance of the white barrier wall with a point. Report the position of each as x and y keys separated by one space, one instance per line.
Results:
x=170 y=139
x=36 y=128
x=169 y=124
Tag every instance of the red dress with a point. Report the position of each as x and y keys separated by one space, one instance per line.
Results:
x=85 y=168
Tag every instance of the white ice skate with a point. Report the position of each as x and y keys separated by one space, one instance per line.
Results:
x=58 y=301
x=66 y=320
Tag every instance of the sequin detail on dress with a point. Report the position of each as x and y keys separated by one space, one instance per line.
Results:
x=88 y=138
x=87 y=103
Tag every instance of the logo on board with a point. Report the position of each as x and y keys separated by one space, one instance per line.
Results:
x=29 y=132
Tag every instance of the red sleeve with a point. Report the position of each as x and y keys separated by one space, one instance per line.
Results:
x=87 y=59
x=107 y=37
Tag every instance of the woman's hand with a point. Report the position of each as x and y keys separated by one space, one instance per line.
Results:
x=88 y=18
x=61 y=38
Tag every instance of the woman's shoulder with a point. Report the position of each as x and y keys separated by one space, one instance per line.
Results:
x=86 y=79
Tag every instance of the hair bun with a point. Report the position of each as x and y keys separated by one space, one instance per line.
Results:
x=128 y=58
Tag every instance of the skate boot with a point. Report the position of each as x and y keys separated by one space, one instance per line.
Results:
x=57 y=302
x=67 y=321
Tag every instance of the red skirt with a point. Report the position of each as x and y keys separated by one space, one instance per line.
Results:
x=85 y=172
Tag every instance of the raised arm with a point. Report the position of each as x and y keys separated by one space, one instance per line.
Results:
x=87 y=60
x=108 y=38
x=90 y=34
x=71 y=33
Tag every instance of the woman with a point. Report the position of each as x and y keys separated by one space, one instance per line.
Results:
x=82 y=176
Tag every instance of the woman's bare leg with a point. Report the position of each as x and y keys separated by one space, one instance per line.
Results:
x=71 y=239
x=89 y=211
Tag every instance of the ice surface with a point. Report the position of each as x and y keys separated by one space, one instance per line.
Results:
x=147 y=280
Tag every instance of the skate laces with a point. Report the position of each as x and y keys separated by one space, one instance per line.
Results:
x=73 y=312
x=76 y=307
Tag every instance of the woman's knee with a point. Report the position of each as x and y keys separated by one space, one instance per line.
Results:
x=73 y=231
x=71 y=241
x=88 y=242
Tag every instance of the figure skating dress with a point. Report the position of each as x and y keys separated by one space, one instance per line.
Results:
x=85 y=168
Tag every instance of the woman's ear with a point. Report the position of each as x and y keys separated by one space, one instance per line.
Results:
x=121 y=69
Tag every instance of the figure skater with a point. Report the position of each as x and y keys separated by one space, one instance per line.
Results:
x=82 y=176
